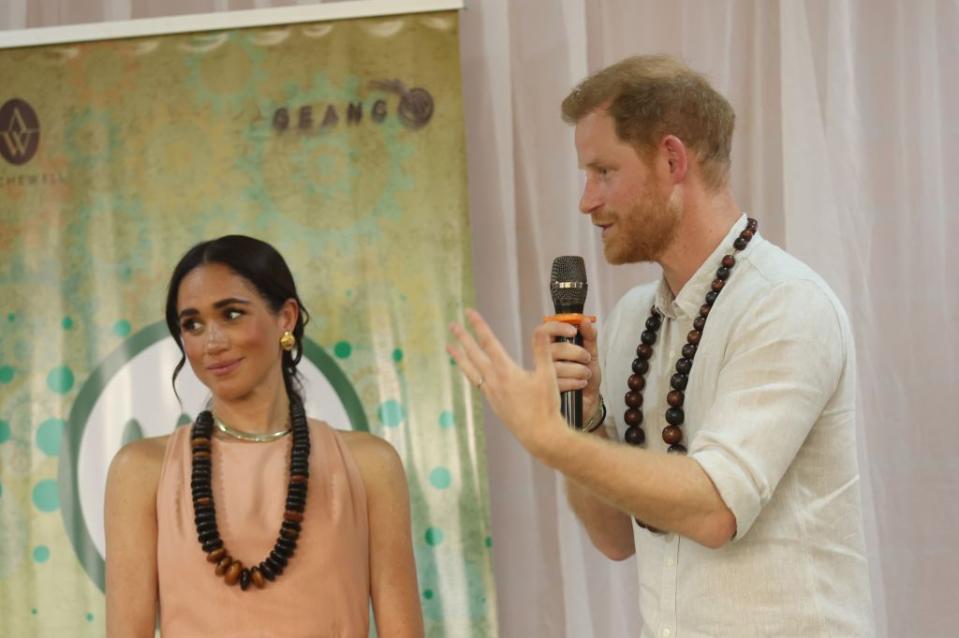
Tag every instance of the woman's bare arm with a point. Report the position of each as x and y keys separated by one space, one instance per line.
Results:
x=393 y=585
x=131 y=539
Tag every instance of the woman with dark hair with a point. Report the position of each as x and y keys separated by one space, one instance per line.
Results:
x=255 y=521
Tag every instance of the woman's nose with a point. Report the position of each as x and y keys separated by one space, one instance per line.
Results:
x=216 y=339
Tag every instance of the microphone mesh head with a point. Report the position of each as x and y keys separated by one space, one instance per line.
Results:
x=568 y=269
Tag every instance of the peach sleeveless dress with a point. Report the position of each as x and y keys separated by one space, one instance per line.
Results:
x=324 y=590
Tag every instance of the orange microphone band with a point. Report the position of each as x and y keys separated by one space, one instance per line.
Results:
x=573 y=318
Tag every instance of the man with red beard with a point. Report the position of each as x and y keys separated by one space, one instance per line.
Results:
x=720 y=445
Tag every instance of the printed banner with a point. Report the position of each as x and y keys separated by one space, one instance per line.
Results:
x=341 y=144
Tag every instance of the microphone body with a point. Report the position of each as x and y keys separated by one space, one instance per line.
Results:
x=568 y=289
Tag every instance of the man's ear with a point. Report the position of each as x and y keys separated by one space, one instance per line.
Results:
x=677 y=157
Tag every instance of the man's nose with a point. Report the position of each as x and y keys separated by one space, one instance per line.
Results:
x=590 y=199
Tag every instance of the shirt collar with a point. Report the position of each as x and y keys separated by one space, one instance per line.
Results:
x=686 y=304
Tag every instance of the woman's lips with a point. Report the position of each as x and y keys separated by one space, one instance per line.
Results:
x=223 y=368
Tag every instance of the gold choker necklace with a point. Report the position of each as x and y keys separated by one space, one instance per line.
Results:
x=249 y=436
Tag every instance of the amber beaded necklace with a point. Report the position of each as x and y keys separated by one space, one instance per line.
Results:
x=633 y=417
x=204 y=512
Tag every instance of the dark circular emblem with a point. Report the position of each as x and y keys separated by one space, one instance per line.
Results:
x=416 y=108
x=19 y=131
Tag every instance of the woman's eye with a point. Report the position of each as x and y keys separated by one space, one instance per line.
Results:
x=233 y=313
x=190 y=325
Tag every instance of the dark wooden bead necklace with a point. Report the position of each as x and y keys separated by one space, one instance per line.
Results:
x=204 y=512
x=633 y=417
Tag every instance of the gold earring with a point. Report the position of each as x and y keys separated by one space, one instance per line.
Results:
x=287 y=341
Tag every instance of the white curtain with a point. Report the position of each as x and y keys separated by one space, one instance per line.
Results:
x=846 y=149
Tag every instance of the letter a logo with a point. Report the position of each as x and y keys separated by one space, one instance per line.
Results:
x=19 y=131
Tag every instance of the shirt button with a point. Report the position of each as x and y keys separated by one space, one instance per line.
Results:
x=667 y=633
x=670 y=562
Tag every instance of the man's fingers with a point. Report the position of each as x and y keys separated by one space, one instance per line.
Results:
x=588 y=331
x=477 y=360
x=562 y=351
x=567 y=385
x=466 y=366
x=541 y=348
x=573 y=371
x=480 y=357
x=559 y=329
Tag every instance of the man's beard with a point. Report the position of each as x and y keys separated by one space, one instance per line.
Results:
x=645 y=231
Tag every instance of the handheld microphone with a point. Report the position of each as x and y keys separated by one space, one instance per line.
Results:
x=567 y=286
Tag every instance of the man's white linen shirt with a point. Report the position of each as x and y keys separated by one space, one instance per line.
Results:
x=770 y=417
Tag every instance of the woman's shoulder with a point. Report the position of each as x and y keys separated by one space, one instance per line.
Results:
x=376 y=458
x=148 y=450
x=364 y=442
x=358 y=442
x=139 y=461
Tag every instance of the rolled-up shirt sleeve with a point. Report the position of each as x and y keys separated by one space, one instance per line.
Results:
x=782 y=364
